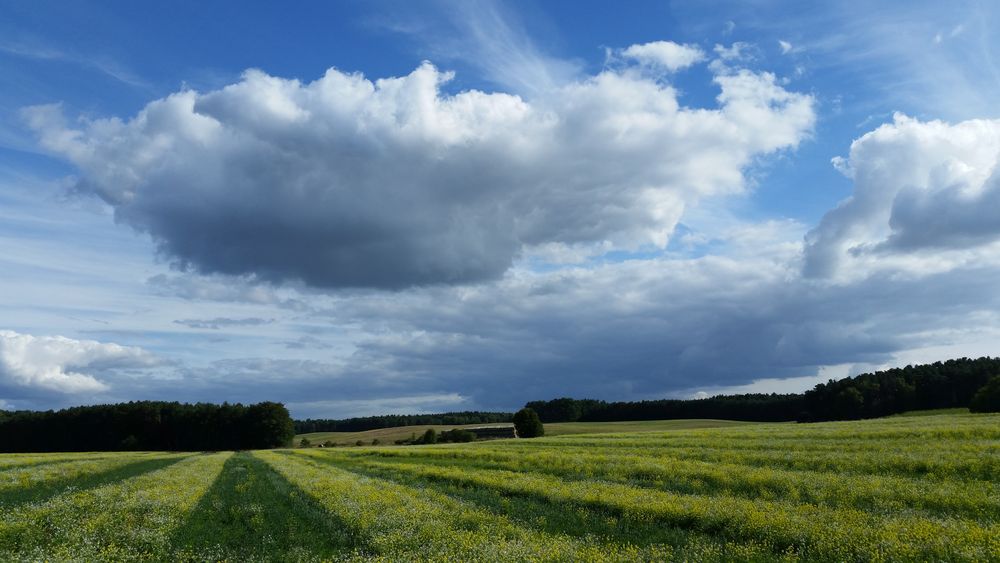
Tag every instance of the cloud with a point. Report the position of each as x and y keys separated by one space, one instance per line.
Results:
x=924 y=192
x=346 y=182
x=63 y=365
x=785 y=46
x=417 y=404
x=98 y=63
x=307 y=342
x=651 y=328
x=219 y=322
x=737 y=51
x=665 y=54
x=224 y=289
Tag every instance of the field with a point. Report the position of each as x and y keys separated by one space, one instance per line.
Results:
x=390 y=435
x=906 y=488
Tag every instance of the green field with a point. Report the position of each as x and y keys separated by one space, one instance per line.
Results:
x=906 y=488
x=387 y=436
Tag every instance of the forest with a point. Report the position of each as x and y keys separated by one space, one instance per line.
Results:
x=360 y=424
x=939 y=385
x=147 y=425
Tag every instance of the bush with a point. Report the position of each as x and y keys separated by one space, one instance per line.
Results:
x=376 y=442
x=305 y=443
x=430 y=437
x=329 y=444
x=987 y=399
x=457 y=435
x=359 y=443
x=527 y=424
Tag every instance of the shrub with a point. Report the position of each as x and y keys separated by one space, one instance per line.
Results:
x=527 y=424
x=430 y=437
x=376 y=442
x=987 y=399
x=305 y=443
x=457 y=435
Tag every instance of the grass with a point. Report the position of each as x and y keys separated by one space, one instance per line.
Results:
x=899 y=488
x=388 y=436
x=252 y=513
x=933 y=412
x=567 y=428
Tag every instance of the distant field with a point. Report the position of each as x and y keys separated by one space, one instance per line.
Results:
x=933 y=412
x=387 y=436
x=902 y=488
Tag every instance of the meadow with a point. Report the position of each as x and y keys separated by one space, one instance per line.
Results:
x=390 y=435
x=901 y=488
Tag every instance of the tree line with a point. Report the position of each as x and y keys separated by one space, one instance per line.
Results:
x=148 y=425
x=757 y=407
x=172 y=426
x=939 y=385
x=360 y=424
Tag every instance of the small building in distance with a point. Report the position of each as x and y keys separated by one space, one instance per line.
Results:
x=492 y=432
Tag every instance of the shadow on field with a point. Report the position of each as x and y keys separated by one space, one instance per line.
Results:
x=542 y=515
x=45 y=491
x=52 y=461
x=253 y=513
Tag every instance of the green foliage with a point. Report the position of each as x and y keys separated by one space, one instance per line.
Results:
x=269 y=425
x=376 y=442
x=148 y=425
x=429 y=437
x=527 y=424
x=457 y=435
x=305 y=443
x=987 y=399
x=940 y=385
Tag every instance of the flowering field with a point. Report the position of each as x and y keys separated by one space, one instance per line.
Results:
x=920 y=488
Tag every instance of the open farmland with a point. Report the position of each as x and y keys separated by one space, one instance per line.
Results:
x=390 y=435
x=907 y=488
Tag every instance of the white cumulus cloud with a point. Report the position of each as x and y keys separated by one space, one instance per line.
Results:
x=56 y=363
x=665 y=54
x=926 y=194
x=391 y=183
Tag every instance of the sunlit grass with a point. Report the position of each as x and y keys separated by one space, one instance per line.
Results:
x=900 y=488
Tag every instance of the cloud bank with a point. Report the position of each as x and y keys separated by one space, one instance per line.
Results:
x=63 y=365
x=392 y=183
x=484 y=210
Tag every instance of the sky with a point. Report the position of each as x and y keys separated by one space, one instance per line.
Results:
x=362 y=208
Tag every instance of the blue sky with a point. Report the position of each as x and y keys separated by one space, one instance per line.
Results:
x=359 y=208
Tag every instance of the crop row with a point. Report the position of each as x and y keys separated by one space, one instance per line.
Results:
x=25 y=482
x=882 y=493
x=8 y=461
x=946 y=461
x=814 y=532
x=393 y=521
x=130 y=519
